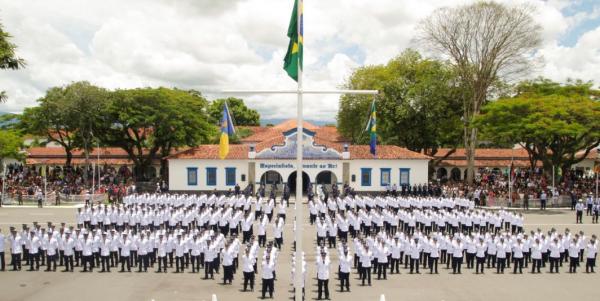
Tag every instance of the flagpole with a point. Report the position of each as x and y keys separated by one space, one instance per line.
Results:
x=299 y=150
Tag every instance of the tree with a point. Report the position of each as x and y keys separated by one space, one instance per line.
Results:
x=553 y=122
x=8 y=58
x=419 y=105
x=485 y=41
x=68 y=115
x=10 y=145
x=51 y=121
x=240 y=113
x=149 y=123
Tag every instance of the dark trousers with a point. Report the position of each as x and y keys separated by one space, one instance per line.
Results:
x=479 y=264
x=68 y=260
x=248 y=279
x=590 y=264
x=16 y=261
x=105 y=263
x=162 y=264
x=456 y=264
x=535 y=265
x=2 y=262
x=208 y=269
x=51 y=259
x=125 y=259
x=382 y=268
x=87 y=261
x=500 y=265
x=414 y=263
x=553 y=264
x=179 y=264
x=579 y=217
x=344 y=281
x=142 y=262
x=323 y=285
x=573 y=262
x=227 y=273
x=433 y=264
x=366 y=275
x=518 y=264
x=395 y=264
x=34 y=258
x=262 y=240
x=268 y=285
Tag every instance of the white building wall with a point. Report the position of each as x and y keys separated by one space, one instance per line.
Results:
x=178 y=174
x=311 y=167
x=178 y=168
x=418 y=173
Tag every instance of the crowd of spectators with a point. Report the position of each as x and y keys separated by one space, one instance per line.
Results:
x=25 y=181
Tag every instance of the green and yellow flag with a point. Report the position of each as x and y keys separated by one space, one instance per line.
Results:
x=293 y=57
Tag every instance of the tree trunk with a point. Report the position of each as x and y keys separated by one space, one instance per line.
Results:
x=470 y=145
x=69 y=157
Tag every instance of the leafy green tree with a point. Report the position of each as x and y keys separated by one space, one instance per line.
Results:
x=419 y=106
x=8 y=57
x=149 y=123
x=68 y=115
x=240 y=113
x=49 y=120
x=10 y=145
x=553 y=122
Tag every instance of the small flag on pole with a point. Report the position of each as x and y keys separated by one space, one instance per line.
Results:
x=293 y=57
x=226 y=131
x=372 y=129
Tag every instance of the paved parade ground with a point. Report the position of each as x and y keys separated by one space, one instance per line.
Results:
x=40 y=285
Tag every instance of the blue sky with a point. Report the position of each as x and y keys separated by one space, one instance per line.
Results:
x=240 y=44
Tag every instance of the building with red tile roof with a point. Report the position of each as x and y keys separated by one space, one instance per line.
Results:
x=267 y=156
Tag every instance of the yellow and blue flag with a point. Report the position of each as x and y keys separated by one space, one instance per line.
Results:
x=227 y=130
x=372 y=129
x=293 y=57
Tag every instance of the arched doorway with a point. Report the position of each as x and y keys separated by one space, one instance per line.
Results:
x=271 y=177
x=442 y=174
x=292 y=182
x=326 y=177
x=455 y=174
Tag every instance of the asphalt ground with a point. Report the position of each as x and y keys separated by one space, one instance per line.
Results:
x=24 y=285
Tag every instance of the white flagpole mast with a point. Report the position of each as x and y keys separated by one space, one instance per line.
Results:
x=299 y=150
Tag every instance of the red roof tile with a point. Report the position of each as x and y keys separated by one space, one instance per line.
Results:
x=384 y=152
x=236 y=151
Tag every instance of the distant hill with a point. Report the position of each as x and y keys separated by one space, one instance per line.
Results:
x=264 y=122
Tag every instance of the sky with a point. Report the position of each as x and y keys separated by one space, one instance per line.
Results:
x=214 y=45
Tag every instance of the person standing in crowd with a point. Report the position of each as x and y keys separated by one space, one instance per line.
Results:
x=434 y=248
x=345 y=265
x=69 y=251
x=573 y=249
x=579 y=212
x=16 y=249
x=34 y=251
x=125 y=246
x=51 y=251
x=105 y=245
x=323 y=276
x=517 y=251
x=268 y=267
x=457 y=256
x=543 y=199
x=481 y=248
x=248 y=262
x=501 y=249
x=554 y=257
x=591 y=252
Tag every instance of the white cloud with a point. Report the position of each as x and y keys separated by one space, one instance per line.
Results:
x=238 y=44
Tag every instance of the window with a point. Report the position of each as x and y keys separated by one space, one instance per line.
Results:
x=230 y=176
x=243 y=178
x=365 y=176
x=192 y=176
x=353 y=178
x=385 y=176
x=211 y=176
x=404 y=176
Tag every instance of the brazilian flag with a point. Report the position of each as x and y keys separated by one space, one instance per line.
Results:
x=293 y=57
x=372 y=129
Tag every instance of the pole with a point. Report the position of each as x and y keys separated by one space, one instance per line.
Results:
x=4 y=183
x=93 y=179
x=98 y=162
x=510 y=171
x=597 y=172
x=553 y=187
x=299 y=150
